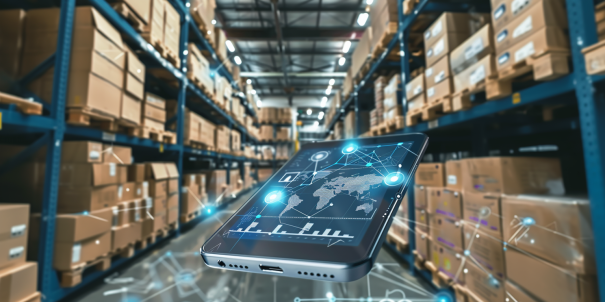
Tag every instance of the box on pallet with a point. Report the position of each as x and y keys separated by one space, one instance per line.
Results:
x=475 y=48
x=236 y=141
x=222 y=138
x=97 y=62
x=444 y=202
x=423 y=245
x=202 y=12
x=362 y=52
x=453 y=176
x=483 y=286
x=430 y=174
x=219 y=46
x=172 y=33
x=447 y=261
x=483 y=210
x=198 y=70
x=13 y=243
x=153 y=114
x=384 y=18
x=19 y=283
x=438 y=80
x=487 y=251
x=216 y=185
x=414 y=93
x=154 y=31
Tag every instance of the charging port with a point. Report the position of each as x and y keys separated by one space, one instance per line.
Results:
x=271 y=269
x=221 y=263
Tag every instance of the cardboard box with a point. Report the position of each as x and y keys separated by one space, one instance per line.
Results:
x=473 y=49
x=156 y=171
x=362 y=51
x=121 y=214
x=417 y=103
x=160 y=204
x=513 y=175
x=423 y=220
x=445 y=203
x=515 y=293
x=505 y=11
x=423 y=245
x=117 y=154
x=430 y=175
x=17 y=283
x=86 y=199
x=69 y=255
x=216 y=184
x=155 y=100
x=136 y=210
x=443 y=46
x=559 y=229
x=482 y=286
x=448 y=262
x=158 y=188
x=125 y=235
x=447 y=232
x=442 y=90
x=172 y=29
x=90 y=174
x=415 y=87
x=447 y=23
x=487 y=250
x=483 y=210
x=222 y=138
x=153 y=112
x=130 y=109
x=481 y=72
x=537 y=277
x=420 y=197
x=127 y=192
x=453 y=175
x=546 y=39
x=136 y=172
x=437 y=72
x=172 y=214
x=81 y=152
x=151 y=226
x=14 y=228
x=539 y=15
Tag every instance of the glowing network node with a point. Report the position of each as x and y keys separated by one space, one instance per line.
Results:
x=349 y=149
x=493 y=282
x=258 y=216
x=274 y=196
x=528 y=221
x=467 y=253
x=443 y=297
x=394 y=179
x=399 y=144
x=319 y=156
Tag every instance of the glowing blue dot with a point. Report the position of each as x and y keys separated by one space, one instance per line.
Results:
x=528 y=221
x=394 y=178
x=350 y=149
x=258 y=216
x=368 y=164
x=85 y=213
x=209 y=211
x=168 y=253
x=467 y=253
x=399 y=144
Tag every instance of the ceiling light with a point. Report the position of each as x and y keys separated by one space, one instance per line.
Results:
x=248 y=81
x=321 y=115
x=187 y=4
x=346 y=46
x=230 y=45
x=324 y=100
x=363 y=17
x=329 y=90
x=209 y=32
x=309 y=111
x=369 y=2
x=237 y=60
x=342 y=61
x=331 y=82
x=259 y=103
x=213 y=20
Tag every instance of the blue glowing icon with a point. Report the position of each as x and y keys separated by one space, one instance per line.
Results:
x=349 y=149
x=274 y=196
x=394 y=179
x=528 y=221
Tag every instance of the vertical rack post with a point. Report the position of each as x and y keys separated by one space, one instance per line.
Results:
x=181 y=100
x=47 y=277
x=591 y=105
x=357 y=116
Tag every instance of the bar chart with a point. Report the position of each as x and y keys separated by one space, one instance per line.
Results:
x=304 y=231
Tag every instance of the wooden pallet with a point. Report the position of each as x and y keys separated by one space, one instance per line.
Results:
x=131 y=17
x=90 y=118
x=188 y=217
x=143 y=243
x=23 y=105
x=493 y=88
x=124 y=252
x=437 y=108
x=166 y=137
x=385 y=39
x=172 y=57
x=400 y=244
x=164 y=51
x=408 y=6
x=388 y=126
x=460 y=293
x=173 y=226
x=34 y=297
x=545 y=67
x=199 y=145
x=74 y=277
x=156 y=43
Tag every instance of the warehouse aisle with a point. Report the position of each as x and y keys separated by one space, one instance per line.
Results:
x=177 y=273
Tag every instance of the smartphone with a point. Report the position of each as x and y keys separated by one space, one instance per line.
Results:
x=324 y=215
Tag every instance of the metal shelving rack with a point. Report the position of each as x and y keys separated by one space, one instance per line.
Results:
x=51 y=130
x=589 y=91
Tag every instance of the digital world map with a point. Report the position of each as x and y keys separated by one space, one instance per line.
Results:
x=324 y=197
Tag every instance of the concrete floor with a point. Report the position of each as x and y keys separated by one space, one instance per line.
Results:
x=176 y=272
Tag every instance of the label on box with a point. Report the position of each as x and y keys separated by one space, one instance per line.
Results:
x=407 y=88
x=439 y=47
x=518 y=5
x=112 y=169
x=440 y=76
x=430 y=92
x=477 y=75
x=428 y=72
x=145 y=189
x=524 y=52
x=192 y=178
x=184 y=190
x=503 y=58
x=148 y=203
x=114 y=219
x=524 y=27
x=473 y=49
x=437 y=29
x=427 y=35
x=16 y=252
x=429 y=53
x=417 y=90
x=452 y=180
x=76 y=250
x=139 y=192
x=108 y=137
x=499 y=11
x=120 y=191
x=94 y=155
x=502 y=35
x=18 y=230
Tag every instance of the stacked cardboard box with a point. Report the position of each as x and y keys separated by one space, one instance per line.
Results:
x=236 y=141
x=223 y=91
x=136 y=12
x=269 y=115
x=392 y=109
x=338 y=130
x=347 y=85
x=374 y=118
x=249 y=152
x=266 y=133
x=18 y=277
x=248 y=179
x=445 y=34
x=198 y=70
x=193 y=196
x=362 y=52
x=236 y=184
x=238 y=111
x=153 y=115
x=98 y=60
x=220 y=47
x=533 y=31
x=12 y=23
x=384 y=18
x=264 y=174
x=154 y=31
x=282 y=152
x=593 y=54
x=222 y=138
x=268 y=152
x=216 y=185
x=282 y=134
x=473 y=65
x=379 y=85
x=600 y=20
x=134 y=89
x=163 y=192
x=415 y=95
x=164 y=30
x=198 y=130
x=202 y=12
